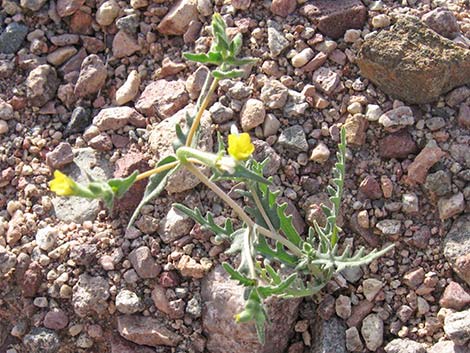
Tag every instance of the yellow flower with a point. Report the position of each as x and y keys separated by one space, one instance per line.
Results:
x=240 y=146
x=62 y=185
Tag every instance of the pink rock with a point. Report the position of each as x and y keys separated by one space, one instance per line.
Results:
x=334 y=17
x=162 y=98
x=418 y=170
x=60 y=156
x=92 y=45
x=162 y=303
x=283 y=8
x=370 y=188
x=146 y=331
x=102 y=142
x=414 y=278
x=359 y=312
x=169 y=279
x=143 y=262
x=68 y=7
x=442 y=21
x=124 y=45
x=118 y=117
x=177 y=20
x=81 y=23
x=241 y=4
x=464 y=116
x=397 y=145
x=74 y=63
x=32 y=280
x=454 y=297
x=56 y=319
x=92 y=77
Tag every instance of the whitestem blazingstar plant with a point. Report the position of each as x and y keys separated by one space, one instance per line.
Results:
x=292 y=266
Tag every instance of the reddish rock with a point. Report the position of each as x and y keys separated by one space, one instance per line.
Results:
x=118 y=117
x=397 y=145
x=146 y=331
x=177 y=20
x=60 y=156
x=125 y=166
x=454 y=297
x=143 y=262
x=370 y=188
x=93 y=45
x=162 y=303
x=92 y=77
x=333 y=18
x=68 y=7
x=418 y=170
x=124 y=45
x=169 y=279
x=81 y=23
x=162 y=98
x=102 y=142
x=32 y=280
x=359 y=312
x=283 y=8
x=464 y=116
x=120 y=345
x=56 y=319
x=74 y=63
x=414 y=278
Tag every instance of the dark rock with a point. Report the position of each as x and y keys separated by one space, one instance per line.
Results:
x=12 y=38
x=60 y=156
x=413 y=63
x=370 y=188
x=397 y=145
x=80 y=120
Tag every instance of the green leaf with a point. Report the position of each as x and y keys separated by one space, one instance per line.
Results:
x=121 y=185
x=267 y=291
x=237 y=276
x=236 y=44
x=240 y=62
x=237 y=239
x=155 y=186
x=227 y=74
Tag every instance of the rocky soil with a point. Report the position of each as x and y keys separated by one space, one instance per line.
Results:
x=95 y=87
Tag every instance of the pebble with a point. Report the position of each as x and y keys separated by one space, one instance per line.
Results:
x=271 y=125
x=389 y=226
x=33 y=5
x=443 y=22
x=143 y=262
x=92 y=76
x=42 y=84
x=61 y=55
x=56 y=319
x=127 y=302
x=46 y=238
x=277 y=43
x=397 y=118
x=410 y=203
x=274 y=94
x=41 y=302
x=283 y=8
x=293 y=139
x=418 y=169
x=325 y=80
x=463 y=117
x=380 y=21
x=371 y=288
x=454 y=297
x=60 y=156
x=303 y=57
x=191 y=268
x=12 y=38
x=451 y=206
x=90 y=295
x=414 y=278
x=107 y=12
x=66 y=8
x=370 y=188
x=397 y=145
x=3 y=127
x=176 y=20
x=6 y=110
x=129 y=89
x=439 y=183
x=353 y=340
x=124 y=45
x=220 y=113
x=343 y=307
x=118 y=117
x=373 y=112
x=320 y=153
x=252 y=114
x=352 y=35
x=372 y=331
x=356 y=127
x=79 y=121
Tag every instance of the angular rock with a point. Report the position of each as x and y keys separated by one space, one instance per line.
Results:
x=42 y=84
x=127 y=302
x=92 y=77
x=274 y=94
x=446 y=347
x=143 y=262
x=223 y=299
x=283 y=8
x=277 y=43
x=41 y=340
x=397 y=145
x=124 y=45
x=451 y=206
x=162 y=98
x=12 y=38
x=439 y=183
x=177 y=20
x=397 y=118
x=33 y=5
x=66 y=8
x=293 y=139
x=372 y=331
x=359 y=312
x=107 y=12
x=333 y=18
x=56 y=319
x=418 y=170
x=457 y=327
x=79 y=121
x=191 y=268
x=443 y=22
x=118 y=117
x=31 y=280
x=129 y=89
x=454 y=297
x=147 y=331
x=370 y=188
x=174 y=226
x=161 y=143
x=328 y=336
x=371 y=288
x=399 y=345
x=457 y=247
x=173 y=309
x=7 y=261
x=356 y=126
x=60 y=156
x=413 y=63
x=353 y=340
x=325 y=80
x=90 y=295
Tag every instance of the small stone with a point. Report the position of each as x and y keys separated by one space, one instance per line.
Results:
x=373 y=112
x=33 y=5
x=451 y=206
x=190 y=268
x=274 y=94
x=56 y=319
x=444 y=347
x=61 y=55
x=177 y=20
x=124 y=45
x=283 y=8
x=147 y=331
x=443 y=22
x=32 y=278
x=6 y=110
x=42 y=84
x=3 y=127
x=303 y=57
x=66 y=8
x=107 y=12
x=435 y=123
x=397 y=118
x=118 y=117
x=454 y=297
x=173 y=309
x=363 y=219
x=7 y=261
x=162 y=98
x=370 y=188
x=353 y=340
x=92 y=76
x=423 y=306
x=220 y=113
x=127 y=302
x=380 y=21
x=464 y=116
x=12 y=38
x=417 y=171
x=41 y=340
x=352 y=35
x=343 y=307
x=101 y=142
x=174 y=226
x=195 y=81
x=83 y=341
x=60 y=156
x=90 y=295
x=359 y=312
x=79 y=121
x=325 y=80
x=129 y=89
x=293 y=139
x=397 y=145
x=277 y=43
x=457 y=327
x=81 y=22
x=271 y=125
x=410 y=203
x=143 y=262
x=372 y=331
x=128 y=23
x=318 y=60
x=252 y=114
x=389 y=226
x=320 y=153
x=406 y=345
x=46 y=238
x=371 y=287
x=404 y=313
x=414 y=278
x=356 y=127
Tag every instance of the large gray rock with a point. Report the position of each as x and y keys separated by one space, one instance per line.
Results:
x=413 y=63
x=77 y=209
x=406 y=345
x=329 y=336
x=457 y=247
x=223 y=298
x=447 y=347
x=457 y=327
x=161 y=141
